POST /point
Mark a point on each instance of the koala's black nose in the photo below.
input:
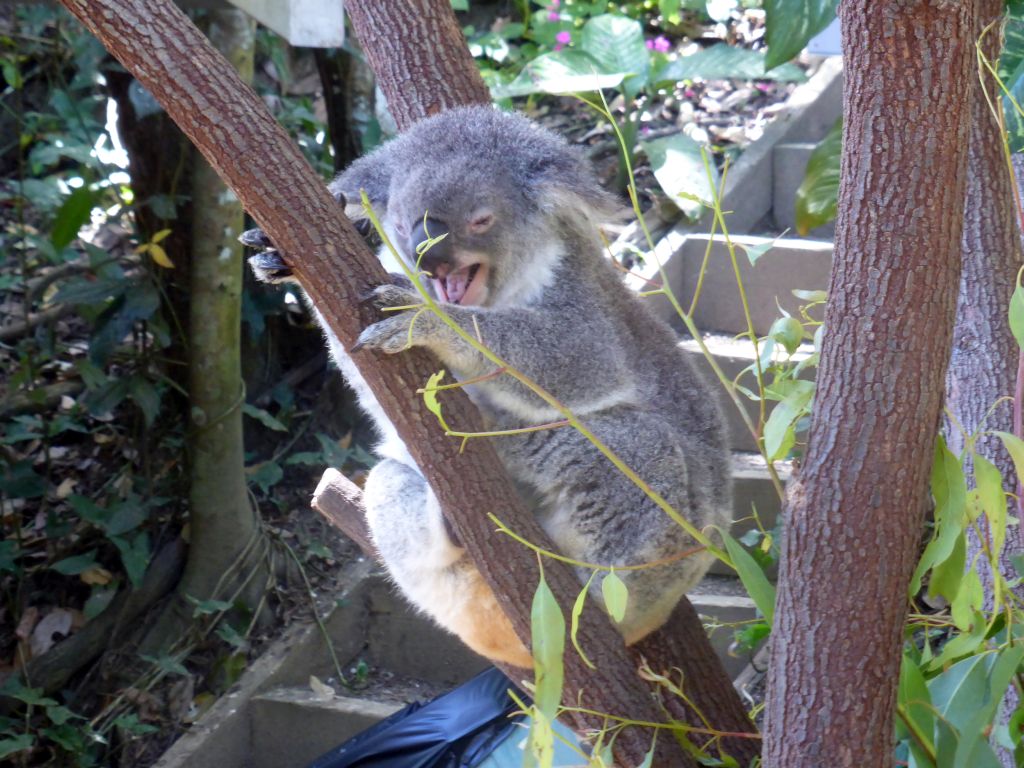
(440, 252)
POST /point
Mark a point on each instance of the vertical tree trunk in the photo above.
(983, 367)
(421, 60)
(855, 513)
(222, 522)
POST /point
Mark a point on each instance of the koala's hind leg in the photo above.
(407, 527)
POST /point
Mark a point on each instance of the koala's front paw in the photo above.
(395, 332)
(267, 265)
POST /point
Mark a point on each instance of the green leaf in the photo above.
(617, 44)
(914, 700)
(679, 167)
(100, 597)
(145, 396)
(818, 194)
(21, 481)
(577, 611)
(989, 482)
(203, 607)
(430, 397)
(169, 664)
(72, 566)
(460, 5)
(548, 636)
(754, 581)
(32, 696)
(264, 418)
(789, 332)
(949, 488)
(14, 744)
(755, 252)
(1015, 447)
(565, 71)
(782, 420)
(1017, 314)
(266, 475)
(725, 62)
(790, 24)
(968, 601)
(134, 556)
(71, 217)
(615, 596)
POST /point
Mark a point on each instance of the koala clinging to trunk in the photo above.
(521, 265)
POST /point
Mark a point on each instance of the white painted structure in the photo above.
(304, 23)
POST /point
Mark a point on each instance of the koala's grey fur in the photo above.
(518, 200)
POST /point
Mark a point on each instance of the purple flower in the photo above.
(554, 16)
(660, 44)
(562, 39)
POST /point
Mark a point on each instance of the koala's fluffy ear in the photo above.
(371, 173)
(569, 190)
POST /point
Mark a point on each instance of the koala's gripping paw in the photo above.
(395, 332)
(267, 265)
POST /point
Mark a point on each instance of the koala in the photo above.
(521, 267)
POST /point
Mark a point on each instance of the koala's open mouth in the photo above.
(467, 285)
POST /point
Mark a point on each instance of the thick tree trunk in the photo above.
(854, 515)
(221, 519)
(240, 139)
(983, 367)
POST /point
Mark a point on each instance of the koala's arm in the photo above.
(569, 351)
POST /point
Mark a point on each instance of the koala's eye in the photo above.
(481, 222)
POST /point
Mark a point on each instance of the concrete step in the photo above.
(789, 166)
(734, 356)
(790, 264)
(294, 726)
(291, 726)
(276, 717)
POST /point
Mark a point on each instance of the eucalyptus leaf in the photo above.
(790, 24)
(615, 596)
(1017, 314)
(263, 417)
(782, 420)
(751, 574)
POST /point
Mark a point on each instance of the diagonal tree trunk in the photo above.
(855, 514)
(241, 141)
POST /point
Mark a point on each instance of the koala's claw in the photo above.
(269, 267)
(390, 335)
(255, 238)
(392, 295)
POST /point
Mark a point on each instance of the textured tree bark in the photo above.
(854, 515)
(983, 368)
(243, 143)
(417, 51)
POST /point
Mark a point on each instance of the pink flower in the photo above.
(554, 16)
(562, 39)
(660, 44)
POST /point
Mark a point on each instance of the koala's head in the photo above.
(508, 196)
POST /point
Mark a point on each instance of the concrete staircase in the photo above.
(277, 718)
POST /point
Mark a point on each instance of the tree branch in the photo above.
(156, 42)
